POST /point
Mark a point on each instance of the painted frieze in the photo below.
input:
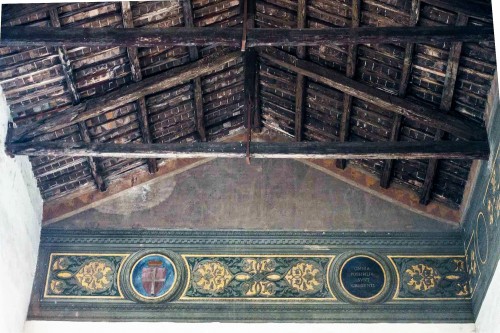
(257, 276)
(83, 275)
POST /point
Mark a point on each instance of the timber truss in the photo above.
(256, 45)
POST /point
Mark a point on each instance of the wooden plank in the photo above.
(445, 106)
(468, 8)
(75, 97)
(385, 178)
(127, 94)
(65, 62)
(300, 83)
(420, 113)
(29, 9)
(135, 69)
(181, 36)
(299, 150)
(352, 55)
(194, 55)
(146, 132)
(94, 171)
(128, 23)
(250, 69)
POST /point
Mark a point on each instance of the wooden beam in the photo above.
(75, 97)
(445, 106)
(128, 23)
(300, 86)
(99, 181)
(352, 55)
(125, 95)
(422, 114)
(469, 8)
(385, 178)
(250, 69)
(23, 36)
(187, 7)
(65, 62)
(299, 150)
(135, 69)
(146, 132)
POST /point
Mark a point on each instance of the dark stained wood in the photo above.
(128, 94)
(309, 150)
(445, 106)
(352, 55)
(75, 97)
(250, 68)
(385, 178)
(146, 132)
(128, 23)
(177, 36)
(65, 62)
(135, 69)
(422, 114)
(99, 181)
(468, 8)
(300, 91)
(26, 10)
(187, 8)
(452, 69)
(367, 35)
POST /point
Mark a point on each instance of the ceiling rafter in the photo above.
(75, 97)
(187, 7)
(300, 86)
(422, 114)
(136, 72)
(250, 68)
(445, 106)
(385, 178)
(352, 55)
(102, 104)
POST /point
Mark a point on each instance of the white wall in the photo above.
(85, 327)
(20, 219)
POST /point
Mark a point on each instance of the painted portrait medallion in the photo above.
(153, 276)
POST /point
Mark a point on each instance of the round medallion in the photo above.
(153, 276)
(362, 277)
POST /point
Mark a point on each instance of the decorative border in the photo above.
(398, 278)
(218, 299)
(255, 244)
(118, 282)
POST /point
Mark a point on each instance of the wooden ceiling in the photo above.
(397, 87)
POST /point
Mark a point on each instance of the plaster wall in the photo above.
(83, 327)
(20, 221)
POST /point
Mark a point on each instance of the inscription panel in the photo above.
(362, 277)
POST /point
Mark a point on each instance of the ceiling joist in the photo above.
(298, 150)
(195, 36)
(100, 105)
(422, 114)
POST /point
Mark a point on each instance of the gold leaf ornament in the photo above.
(95, 276)
(211, 277)
(305, 277)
